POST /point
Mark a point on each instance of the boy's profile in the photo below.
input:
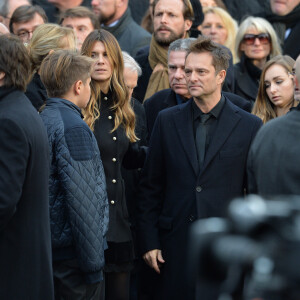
(77, 189)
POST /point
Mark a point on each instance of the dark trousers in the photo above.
(69, 283)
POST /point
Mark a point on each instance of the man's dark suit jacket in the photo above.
(274, 155)
(175, 192)
(167, 98)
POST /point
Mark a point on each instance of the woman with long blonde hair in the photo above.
(111, 117)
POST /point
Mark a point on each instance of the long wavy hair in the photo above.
(124, 114)
(263, 107)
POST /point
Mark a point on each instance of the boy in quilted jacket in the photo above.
(77, 189)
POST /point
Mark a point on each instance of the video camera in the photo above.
(254, 254)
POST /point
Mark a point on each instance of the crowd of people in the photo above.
(116, 137)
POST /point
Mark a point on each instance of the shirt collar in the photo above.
(215, 111)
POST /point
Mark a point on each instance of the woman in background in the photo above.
(256, 43)
(276, 89)
(46, 38)
(220, 27)
(110, 115)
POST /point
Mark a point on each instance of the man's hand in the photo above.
(154, 259)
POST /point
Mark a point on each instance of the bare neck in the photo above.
(208, 102)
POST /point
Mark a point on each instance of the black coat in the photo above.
(36, 92)
(246, 80)
(25, 241)
(167, 98)
(174, 192)
(274, 156)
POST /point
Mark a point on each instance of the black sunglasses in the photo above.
(249, 39)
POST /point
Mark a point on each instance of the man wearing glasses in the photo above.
(25, 20)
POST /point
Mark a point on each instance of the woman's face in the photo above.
(102, 70)
(257, 49)
(279, 86)
(214, 28)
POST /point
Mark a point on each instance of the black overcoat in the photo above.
(25, 242)
(175, 192)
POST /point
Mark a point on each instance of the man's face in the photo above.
(201, 76)
(85, 94)
(168, 22)
(106, 9)
(283, 7)
(82, 27)
(130, 78)
(176, 73)
(24, 30)
(297, 79)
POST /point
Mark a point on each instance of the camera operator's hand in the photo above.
(154, 259)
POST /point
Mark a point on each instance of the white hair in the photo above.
(130, 63)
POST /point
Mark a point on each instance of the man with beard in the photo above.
(116, 18)
(172, 19)
(273, 156)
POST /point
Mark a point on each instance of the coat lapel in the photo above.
(229, 119)
(184, 126)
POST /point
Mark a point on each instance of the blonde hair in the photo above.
(49, 37)
(263, 107)
(124, 114)
(229, 23)
(261, 25)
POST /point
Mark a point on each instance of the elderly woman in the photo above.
(220, 27)
(45, 39)
(276, 89)
(256, 43)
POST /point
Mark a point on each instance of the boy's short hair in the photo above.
(61, 69)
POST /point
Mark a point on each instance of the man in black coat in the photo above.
(193, 169)
(272, 162)
(178, 93)
(25, 242)
(285, 18)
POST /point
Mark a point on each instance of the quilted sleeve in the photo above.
(84, 190)
(14, 153)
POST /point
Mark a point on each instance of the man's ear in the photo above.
(187, 25)
(221, 76)
(2, 75)
(77, 87)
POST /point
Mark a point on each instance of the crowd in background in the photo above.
(96, 196)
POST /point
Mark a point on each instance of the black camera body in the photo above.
(253, 254)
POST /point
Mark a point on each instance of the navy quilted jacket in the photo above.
(77, 189)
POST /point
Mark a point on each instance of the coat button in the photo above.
(199, 189)
(114, 138)
(112, 202)
(114, 159)
(192, 218)
(109, 117)
(114, 181)
(105, 98)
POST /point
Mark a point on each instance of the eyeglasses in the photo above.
(24, 34)
(249, 39)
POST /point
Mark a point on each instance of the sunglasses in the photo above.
(249, 39)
